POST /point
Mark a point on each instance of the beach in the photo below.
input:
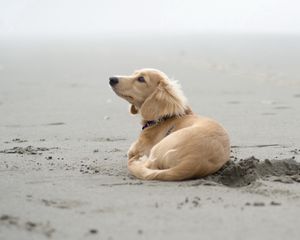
(64, 136)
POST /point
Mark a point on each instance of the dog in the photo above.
(175, 144)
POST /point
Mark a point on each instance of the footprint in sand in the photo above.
(233, 102)
(281, 107)
(30, 226)
(62, 204)
(297, 95)
(55, 124)
(109, 139)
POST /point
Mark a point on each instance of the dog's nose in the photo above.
(113, 81)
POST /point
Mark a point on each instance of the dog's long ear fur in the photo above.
(133, 109)
(166, 100)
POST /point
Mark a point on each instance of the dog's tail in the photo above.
(176, 173)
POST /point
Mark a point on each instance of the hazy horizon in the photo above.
(35, 19)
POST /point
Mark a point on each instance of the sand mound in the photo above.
(246, 171)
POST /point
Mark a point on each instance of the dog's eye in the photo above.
(141, 79)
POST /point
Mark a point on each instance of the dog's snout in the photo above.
(113, 81)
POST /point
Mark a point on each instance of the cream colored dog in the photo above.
(175, 144)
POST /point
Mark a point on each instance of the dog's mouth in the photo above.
(124, 96)
(127, 97)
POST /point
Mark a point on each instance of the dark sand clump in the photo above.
(25, 150)
(246, 171)
(30, 226)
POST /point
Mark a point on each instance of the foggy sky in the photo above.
(50, 18)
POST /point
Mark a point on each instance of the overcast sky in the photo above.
(54, 18)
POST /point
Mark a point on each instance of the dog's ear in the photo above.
(166, 100)
(133, 109)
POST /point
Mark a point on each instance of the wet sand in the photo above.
(64, 137)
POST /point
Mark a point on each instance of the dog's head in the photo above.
(150, 93)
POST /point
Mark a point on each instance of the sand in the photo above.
(64, 137)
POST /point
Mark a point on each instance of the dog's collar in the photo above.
(155, 122)
(150, 123)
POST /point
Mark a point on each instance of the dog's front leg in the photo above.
(134, 156)
(137, 151)
(133, 150)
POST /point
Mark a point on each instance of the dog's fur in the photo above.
(182, 145)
